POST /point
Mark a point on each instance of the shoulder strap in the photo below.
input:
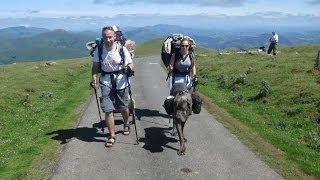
(191, 56)
(121, 52)
(100, 46)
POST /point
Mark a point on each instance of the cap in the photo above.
(115, 28)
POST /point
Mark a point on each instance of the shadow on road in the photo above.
(155, 139)
(149, 113)
(86, 134)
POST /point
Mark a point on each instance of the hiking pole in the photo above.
(95, 92)
(168, 75)
(130, 73)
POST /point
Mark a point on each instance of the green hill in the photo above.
(276, 97)
(270, 103)
(153, 48)
(274, 101)
(52, 45)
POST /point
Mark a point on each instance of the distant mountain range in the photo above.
(268, 21)
(20, 44)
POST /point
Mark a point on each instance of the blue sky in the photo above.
(59, 8)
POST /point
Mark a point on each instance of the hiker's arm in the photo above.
(128, 58)
(95, 70)
(170, 66)
(194, 69)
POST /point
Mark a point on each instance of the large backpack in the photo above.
(172, 45)
(196, 103)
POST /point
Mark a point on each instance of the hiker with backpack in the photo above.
(115, 64)
(181, 64)
(178, 56)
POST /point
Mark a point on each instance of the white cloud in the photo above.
(221, 3)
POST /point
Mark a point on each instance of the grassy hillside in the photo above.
(36, 100)
(276, 97)
(148, 48)
(274, 103)
(52, 45)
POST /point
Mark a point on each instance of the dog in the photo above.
(182, 108)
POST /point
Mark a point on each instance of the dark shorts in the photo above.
(111, 100)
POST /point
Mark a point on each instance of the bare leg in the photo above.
(110, 123)
(125, 116)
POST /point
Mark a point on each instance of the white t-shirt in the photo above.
(274, 38)
(111, 62)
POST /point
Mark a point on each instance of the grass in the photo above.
(281, 125)
(287, 117)
(148, 48)
(37, 99)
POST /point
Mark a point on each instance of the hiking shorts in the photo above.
(113, 99)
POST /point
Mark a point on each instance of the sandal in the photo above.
(126, 132)
(110, 142)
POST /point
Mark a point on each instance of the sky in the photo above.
(109, 8)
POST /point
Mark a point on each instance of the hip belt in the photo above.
(113, 72)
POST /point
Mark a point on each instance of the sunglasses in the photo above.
(184, 45)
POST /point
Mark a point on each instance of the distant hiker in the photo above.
(273, 43)
(114, 62)
(181, 64)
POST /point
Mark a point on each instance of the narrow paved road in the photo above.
(212, 151)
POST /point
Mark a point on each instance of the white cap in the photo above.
(115, 28)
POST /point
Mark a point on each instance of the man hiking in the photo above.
(114, 62)
(273, 43)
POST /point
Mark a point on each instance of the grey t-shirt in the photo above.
(183, 65)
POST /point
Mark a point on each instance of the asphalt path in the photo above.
(212, 151)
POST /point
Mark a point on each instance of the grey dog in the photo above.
(182, 108)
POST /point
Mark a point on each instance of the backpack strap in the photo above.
(121, 52)
(191, 56)
(100, 46)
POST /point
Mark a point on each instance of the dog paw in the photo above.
(180, 153)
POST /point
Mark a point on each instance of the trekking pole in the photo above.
(131, 73)
(168, 75)
(95, 92)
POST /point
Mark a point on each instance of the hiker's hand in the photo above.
(194, 81)
(129, 71)
(93, 83)
(170, 68)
